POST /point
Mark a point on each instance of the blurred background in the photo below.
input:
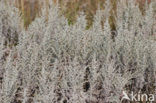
(70, 9)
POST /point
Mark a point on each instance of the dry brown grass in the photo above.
(70, 8)
(29, 9)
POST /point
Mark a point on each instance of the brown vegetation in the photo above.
(29, 9)
(70, 8)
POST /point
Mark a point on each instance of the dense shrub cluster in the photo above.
(53, 62)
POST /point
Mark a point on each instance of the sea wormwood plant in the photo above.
(54, 62)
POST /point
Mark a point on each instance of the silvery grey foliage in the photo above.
(9, 31)
(53, 62)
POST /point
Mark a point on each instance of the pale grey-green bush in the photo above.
(53, 62)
